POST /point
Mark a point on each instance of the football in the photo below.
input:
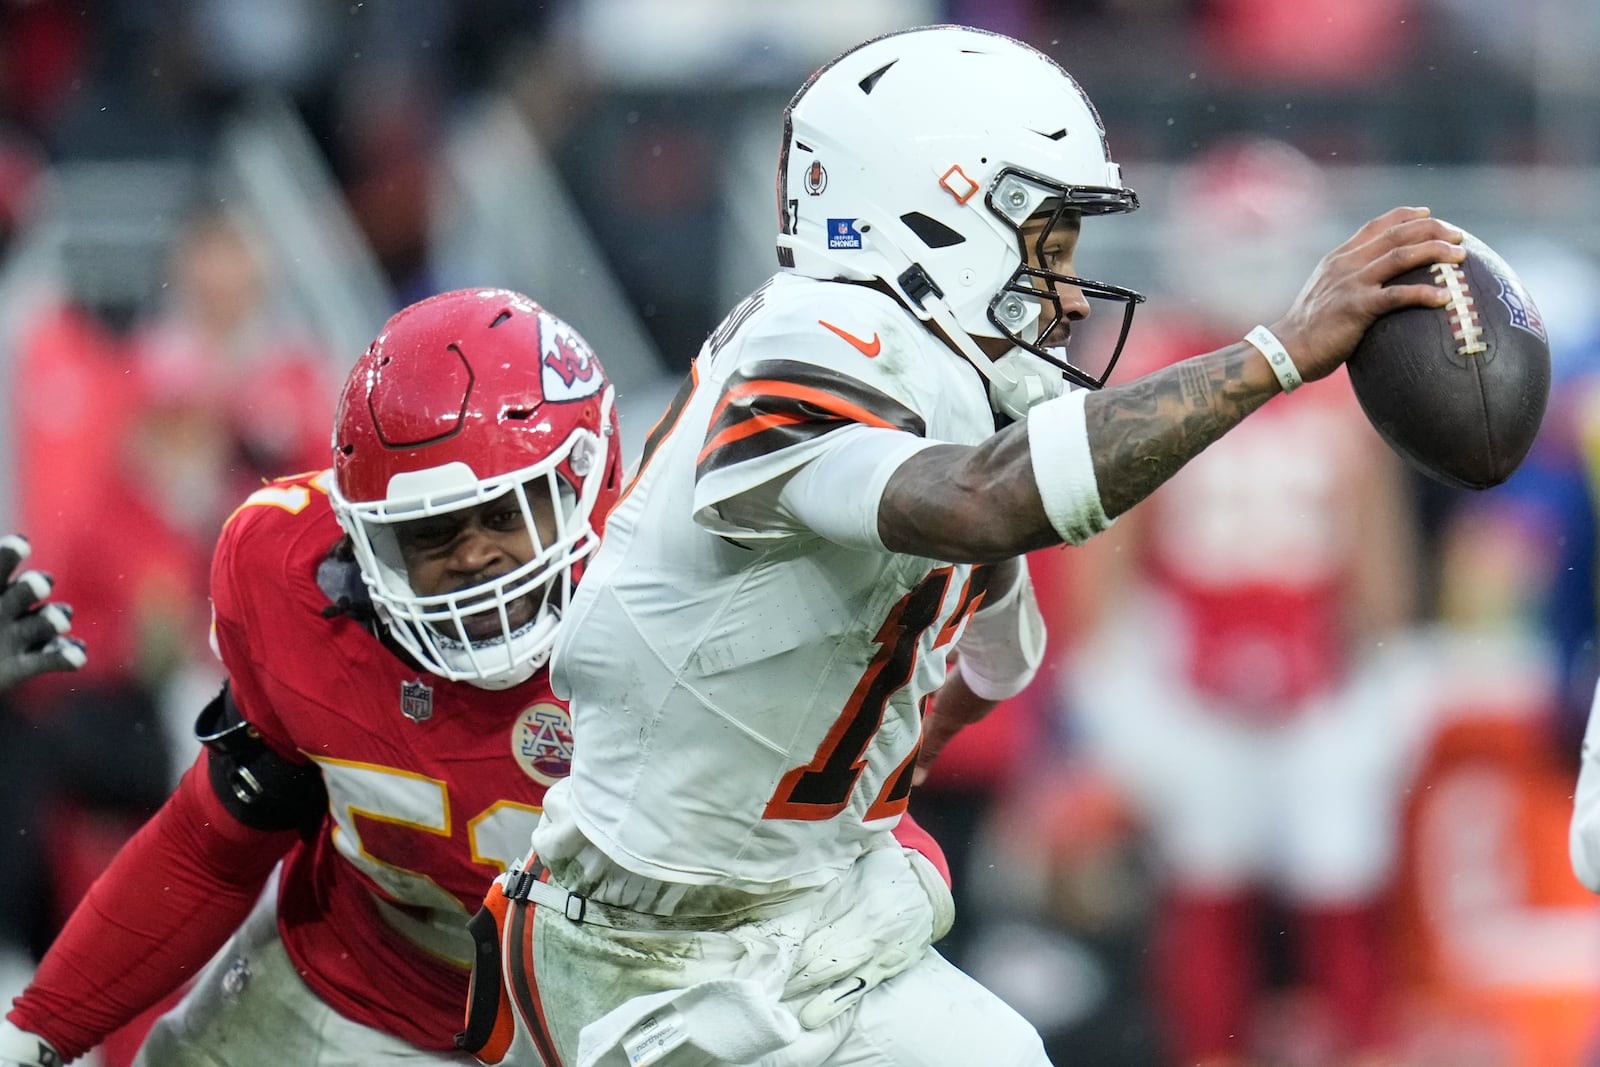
(1458, 390)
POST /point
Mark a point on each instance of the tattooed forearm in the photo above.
(981, 504)
(1142, 432)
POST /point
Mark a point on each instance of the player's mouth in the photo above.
(483, 622)
(1057, 338)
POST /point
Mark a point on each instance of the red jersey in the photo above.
(433, 786)
(1252, 547)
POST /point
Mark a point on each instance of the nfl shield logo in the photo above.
(1524, 316)
(842, 233)
(416, 701)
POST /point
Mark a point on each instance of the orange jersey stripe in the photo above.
(841, 409)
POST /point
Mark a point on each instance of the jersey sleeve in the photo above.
(1003, 644)
(793, 382)
(169, 900)
(252, 591)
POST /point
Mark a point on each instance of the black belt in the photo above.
(527, 886)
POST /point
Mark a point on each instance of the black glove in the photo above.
(33, 635)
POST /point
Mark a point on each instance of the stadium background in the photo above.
(614, 159)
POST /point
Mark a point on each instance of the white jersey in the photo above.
(745, 694)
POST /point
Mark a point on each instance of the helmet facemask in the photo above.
(1027, 309)
(494, 633)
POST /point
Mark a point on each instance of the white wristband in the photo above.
(1277, 358)
(1058, 445)
(19, 1047)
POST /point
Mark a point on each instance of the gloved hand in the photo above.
(877, 935)
(33, 636)
(18, 1048)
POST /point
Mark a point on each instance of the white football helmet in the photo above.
(465, 398)
(915, 158)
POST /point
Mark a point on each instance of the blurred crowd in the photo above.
(1293, 788)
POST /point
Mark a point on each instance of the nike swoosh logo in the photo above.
(861, 983)
(866, 348)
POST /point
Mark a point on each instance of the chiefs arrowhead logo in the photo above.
(570, 369)
(568, 362)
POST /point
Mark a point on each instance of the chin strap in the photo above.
(1023, 380)
(1017, 380)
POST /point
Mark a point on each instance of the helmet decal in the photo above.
(816, 178)
(842, 233)
(571, 371)
(957, 184)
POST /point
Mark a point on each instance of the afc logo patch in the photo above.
(842, 233)
(541, 741)
(416, 701)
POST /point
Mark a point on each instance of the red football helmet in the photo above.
(463, 398)
(1250, 216)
